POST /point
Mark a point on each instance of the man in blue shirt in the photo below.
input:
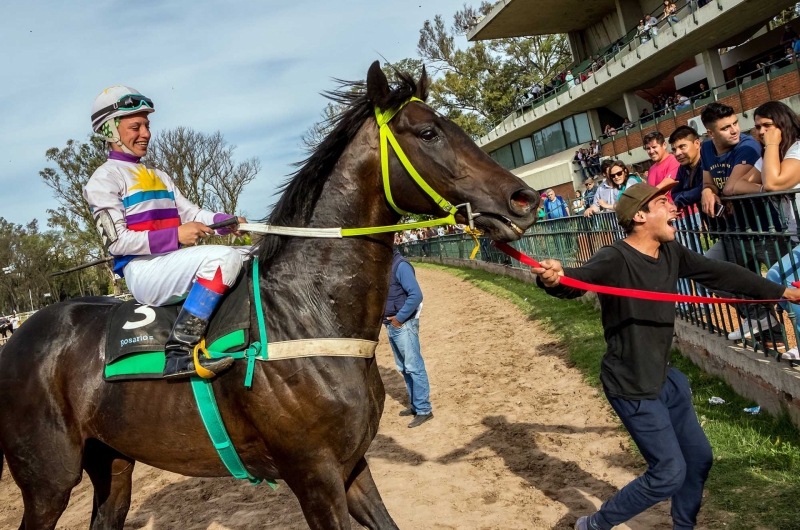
(686, 147)
(555, 206)
(401, 319)
(726, 158)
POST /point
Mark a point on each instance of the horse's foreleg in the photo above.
(111, 477)
(320, 490)
(364, 501)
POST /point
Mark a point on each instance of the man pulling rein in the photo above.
(652, 399)
(150, 228)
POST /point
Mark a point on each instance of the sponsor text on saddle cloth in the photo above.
(137, 333)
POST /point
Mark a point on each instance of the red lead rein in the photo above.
(630, 293)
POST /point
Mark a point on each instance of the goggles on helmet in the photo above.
(127, 102)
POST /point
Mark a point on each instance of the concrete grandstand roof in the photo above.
(520, 18)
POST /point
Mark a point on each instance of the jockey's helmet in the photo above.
(112, 104)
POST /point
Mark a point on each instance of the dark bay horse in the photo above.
(308, 421)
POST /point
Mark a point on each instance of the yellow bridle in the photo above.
(387, 138)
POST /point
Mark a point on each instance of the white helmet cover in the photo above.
(113, 103)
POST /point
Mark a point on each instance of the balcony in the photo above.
(635, 63)
(743, 94)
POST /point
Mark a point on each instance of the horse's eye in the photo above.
(428, 135)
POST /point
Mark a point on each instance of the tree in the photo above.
(77, 162)
(202, 167)
(480, 85)
(477, 86)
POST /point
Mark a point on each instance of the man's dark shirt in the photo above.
(687, 193)
(638, 333)
(588, 196)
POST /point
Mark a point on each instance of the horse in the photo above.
(308, 421)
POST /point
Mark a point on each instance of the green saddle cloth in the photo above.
(150, 365)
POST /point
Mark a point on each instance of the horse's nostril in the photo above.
(523, 201)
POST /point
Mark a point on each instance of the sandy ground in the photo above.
(518, 440)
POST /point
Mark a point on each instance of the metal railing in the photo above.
(758, 232)
(742, 93)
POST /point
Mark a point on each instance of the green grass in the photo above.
(755, 481)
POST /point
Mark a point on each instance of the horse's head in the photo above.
(452, 165)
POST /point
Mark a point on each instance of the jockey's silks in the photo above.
(145, 206)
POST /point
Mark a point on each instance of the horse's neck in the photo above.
(319, 288)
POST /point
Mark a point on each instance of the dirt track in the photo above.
(518, 440)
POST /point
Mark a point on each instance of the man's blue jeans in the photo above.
(405, 346)
(677, 452)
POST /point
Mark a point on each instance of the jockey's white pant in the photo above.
(167, 278)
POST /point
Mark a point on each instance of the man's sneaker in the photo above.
(744, 331)
(791, 355)
(407, 412)
(419, 419)
(582, 523)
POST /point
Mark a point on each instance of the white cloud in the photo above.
(252, 70)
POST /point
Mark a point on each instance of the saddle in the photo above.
(137, 333)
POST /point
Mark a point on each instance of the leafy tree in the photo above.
(479, 85)
(476, 86)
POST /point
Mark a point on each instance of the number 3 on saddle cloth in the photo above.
(137, 334)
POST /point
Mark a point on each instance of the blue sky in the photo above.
(252, 70)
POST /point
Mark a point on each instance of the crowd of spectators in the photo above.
(588, 160)
(648, 27)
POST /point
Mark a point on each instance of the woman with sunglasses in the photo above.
(777, 127)
(144, 220)
(605, 198)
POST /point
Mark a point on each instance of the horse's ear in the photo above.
(377, 85)
(422, 85)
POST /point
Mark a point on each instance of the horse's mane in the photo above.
(301, 191)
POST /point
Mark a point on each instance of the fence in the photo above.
(758, 232)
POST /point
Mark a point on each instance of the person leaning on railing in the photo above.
(606, 196)
(778, 129)
(727, 159)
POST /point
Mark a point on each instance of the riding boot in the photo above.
(189, 328)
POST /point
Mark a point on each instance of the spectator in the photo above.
(401, 319)
(555, 207)
(652, 22)
(686, 146)
(588, 195)
(778, 129)
(621, 175)
(702, 92)
(664, 170)
(789, 36)
(644, 115)
(681, 101)
(609, 131)
(577, 203)
(643, 32)
(440, 231)
(606, 196)
(670, 12)
(568, 78)
(582, 160)
(627, 124)
(727, 158)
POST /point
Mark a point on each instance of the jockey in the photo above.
(150, 228)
